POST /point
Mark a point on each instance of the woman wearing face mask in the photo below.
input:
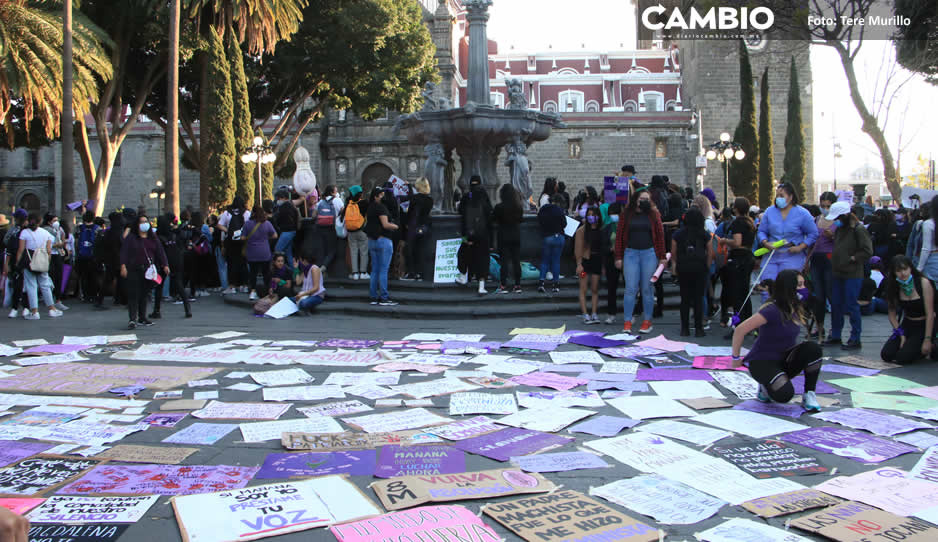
(821, 272)
(139, 251)
(57, 257)
(590, 245)
(739, 261)
(640, 245)
(909, 290)
(852, 249)
(610, 214)
(691, 255)
(776, 356)
(32, 239)
(789, 221)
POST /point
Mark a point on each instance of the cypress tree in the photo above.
(220, 149)
(267, 172)
(243, 124)
(794, 137)
(766, 160)
(743, 173)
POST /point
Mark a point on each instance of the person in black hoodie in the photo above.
(476, 212)
(107, 251)
(552, 221)
(508, 215)
(173, 246)
(418, 230)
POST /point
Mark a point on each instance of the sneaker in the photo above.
(132, 325)
(501, 290)
(587, 319)
(852, 345)
(229, 291)
(462, 279)
(190, 299)
(145, 322)
(155, 315)
(594, 319)
(516, 289)
(832, 341)
(13, 313)
(32, 315)
(203, 293)
(482, 290)
(55, 313)
(809, 402)
(25, 312)
(366, 276)
(177, 301)
(253, 296)
(627, 327)
(387, 303)
(706, 325)
(244, 289)
(353, 276)
(408, 277)
(646, 327)
(611, 319)
(556, 288)
(763, 394)
(61, 306)
(374, 302)
(540, 288)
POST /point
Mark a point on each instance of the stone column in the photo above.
(478, 16)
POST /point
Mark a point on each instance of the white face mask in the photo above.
(55, 224)
(145, 227)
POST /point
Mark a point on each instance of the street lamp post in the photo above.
(725, 150)
(159, 194)
(260, 154)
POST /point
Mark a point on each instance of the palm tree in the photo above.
(259, 24)
(31, 67)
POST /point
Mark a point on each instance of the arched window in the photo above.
(592, 106)
(630, 106)
(568, 71)
(550, 106)
(654, 100)
(571, 101)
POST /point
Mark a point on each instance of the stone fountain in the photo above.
(478, 131)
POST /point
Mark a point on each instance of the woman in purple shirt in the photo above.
(822, 276)
(257, 232)
(789, 221)
(776, 356)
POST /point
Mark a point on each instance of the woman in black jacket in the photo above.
(476, 212)
(508, 215)
(173, 246)
(418, 230)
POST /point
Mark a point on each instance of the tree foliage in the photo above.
(259, 24)
(220, 153)
(243, 124)
(743, 173)
(766, 159)
(917, 43)
(794, 136)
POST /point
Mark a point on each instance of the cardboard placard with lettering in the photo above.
(789, 503)
(857, 522)
(409, 491)
(770, 458)
(59, 532)
(133, 453)
(336, 442)
(39, 475)
(567, 515)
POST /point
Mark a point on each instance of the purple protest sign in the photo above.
(822, 387)
(790, 410)
(165, 419)
(12, 451)
(672, 374)
(502, 445)
(354, 463)
(848, 370)
(595, 341)
(348, 343)
(886, 425)
(419, 460)
(159, 479)
(604, 426)
(850, 444)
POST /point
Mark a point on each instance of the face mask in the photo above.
(803, 293)
(592, 219)
(838, 223)
(906, 281)
(614, 218)
(900, 222)
(304, 268)
(145, 227)
(55, 224)
(781, 203)
(644, 205)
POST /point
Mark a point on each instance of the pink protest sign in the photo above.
(411, 524)
(719, 363)
(160, 479)
(20, 505)
(549, 380)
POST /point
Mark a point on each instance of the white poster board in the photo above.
(444, 268)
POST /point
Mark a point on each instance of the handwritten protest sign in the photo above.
(579, 356)
(858, 522)
(546, 399)
(82, 510)
(94, 378)
(335, 409)
(433, 388)
(396, 421)
(740, 383)
(721, 363)
(359, 379)
(507, 443)
(159, 479)
(737, 529)
(271, 510)
(444, 268)
(927, 466)
(877, 423)
(284, 377)
(410, 491)
(567, 515)
(886, 488)
(463, 429)
(261, 431)
(217, 410)
(559, 462)
(303, 393)
(184, 404)
(333, 442)
(38, 475)
(12, 451)
(695, 434)
(846, 443)
(548, 419)
(665, 500)
(789, 503)
(747, 423)
(482, 403)
(604, 426)
(422, 523)
(305, 465)
(76, 533)
(133, 453)
(770, 458)
(165, 419)
(201, 433)
(548, 380)
(419, 460)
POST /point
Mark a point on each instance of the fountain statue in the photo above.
(477, 131)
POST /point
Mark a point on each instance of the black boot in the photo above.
(155, 315)
(187, 306)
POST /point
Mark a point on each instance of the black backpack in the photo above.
(692, 254)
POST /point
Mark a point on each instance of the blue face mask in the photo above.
(145, 227)
(838, 223)
(906, 281)
(781, 202)
(592, 219)
(803, 293)
(614, 218)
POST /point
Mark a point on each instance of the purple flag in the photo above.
(419, 460)
(850, 444)
(354, 463)
(502, 445)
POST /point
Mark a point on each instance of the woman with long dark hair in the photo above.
(739, 261)
(928, 259)
(590, 249)
(508, 214)
(639, 251)
(776, 356)
(907, 289)
(173, 247)
(822, 277)
(257, 233)
(139, 251)
(550, 188)
(476, 212)
(852, 249)
(691, 255)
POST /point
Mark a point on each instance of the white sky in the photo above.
(564, 25)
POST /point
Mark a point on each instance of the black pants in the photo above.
(612, 285)
(776, 375)
(56, 265)
(911, 351)
(417, 251)
(327, 244)
(737, 273)
(478, 253)
(87, 277)
(693, 286)
(137, 287)
(176, 284)
(510, 253)
(262, 268)
(237, 268)
(113, 277)
(17, 292)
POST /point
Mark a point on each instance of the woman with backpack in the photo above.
(231, 223)
(691, 256)
(852, 249)
(57, 257)
(173, 246)
(912, 292)
(639, 251)
(327, 209)
(418, 237)
(476, 213)
(258, 232)
(590, 247)
(354, 217)
(507, 215)
(36, 244)
(199, 261)
(737, 273)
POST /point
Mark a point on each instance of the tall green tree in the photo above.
(794, 136)
(743, 173)
(219, 147)
(243, 123)
(766, 159)
(917, 42)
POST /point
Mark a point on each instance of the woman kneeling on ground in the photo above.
(911, 291)
(776, 356)
(313, 289)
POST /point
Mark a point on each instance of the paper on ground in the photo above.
(640, 408)
(261, 431)
(665, 500)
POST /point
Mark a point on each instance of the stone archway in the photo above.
(30, 202)
(375, 175)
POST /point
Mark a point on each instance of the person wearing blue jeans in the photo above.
(639, 251)
(313, 290)
(552, 220)
(379, 228)
(287, 220)
(852, 249)
(638, 267)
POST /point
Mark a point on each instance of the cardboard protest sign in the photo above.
(132, 453)
(665, 500)
(616, 189)
(261, 431)
(410, 491)
(353, 406)
(335, 442)
(354, 462)
(95, 378)
(559, 462)
(422, 523)
(419, 460)
(567, 515)
(705, 403)
(396, 421)
(858, 522)
(38, 475)
(789, 503)
(83, 510)
(217, 410)
(271, 510)
(183, 404)
(76, 533)
(444, 267)
(159, 480)
(507, 443)
(769, 458)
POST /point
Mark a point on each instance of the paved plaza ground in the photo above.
(212, 315)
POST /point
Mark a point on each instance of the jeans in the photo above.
(14, 296)
(931, 267)
(44, 285)
(877, 305)
(822, 277)
(308, 302)
(285, 245)
(358, 247)
(380, 250)
(844, 300)
(222, 268)
(781, 260)
(638, 267)
(550, 255)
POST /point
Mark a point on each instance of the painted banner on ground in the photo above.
(507, 443)
(133, 453)
(83, 510)
(665, 500)
(38, 475)
(353, 462)
(396, 461)
(159, 479)
(850, 444)
(217, 410)
(410, 491)
(789, 503)
(334, 442)
(927, 466)
(770, 458)
(95, 378)
(12, 451)
(422, 523)
(858, 522)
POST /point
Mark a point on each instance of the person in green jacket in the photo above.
(852, 249)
